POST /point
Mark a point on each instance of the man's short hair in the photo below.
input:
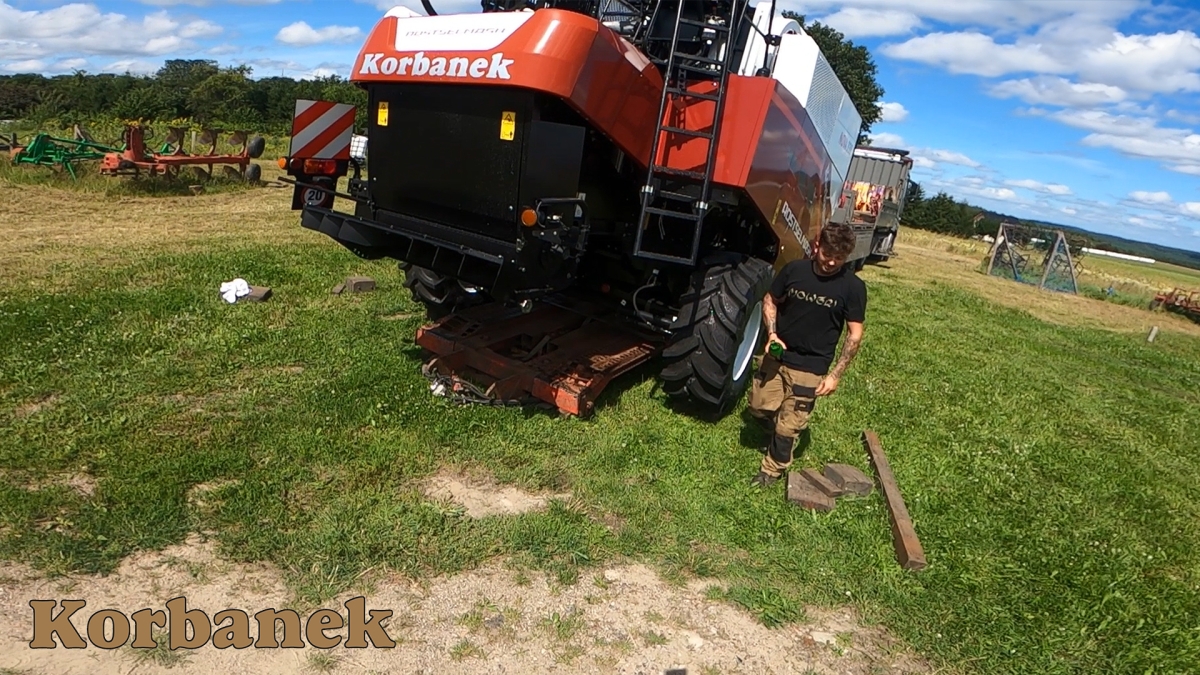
(838, 240)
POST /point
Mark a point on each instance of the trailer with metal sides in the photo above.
(574, 188)
(872, 200)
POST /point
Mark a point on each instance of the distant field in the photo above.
(1135, 283)
(1046, 451)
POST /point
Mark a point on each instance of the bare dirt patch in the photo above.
(491, 620)
(482, 497)
(81, 483)
(31, 408)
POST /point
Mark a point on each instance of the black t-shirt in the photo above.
(811, 311)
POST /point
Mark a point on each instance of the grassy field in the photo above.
(1135, 283)
(1045, 449)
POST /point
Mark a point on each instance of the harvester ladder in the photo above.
(664, 206)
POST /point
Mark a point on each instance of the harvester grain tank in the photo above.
(647, 165)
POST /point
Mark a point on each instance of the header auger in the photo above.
(649, 162)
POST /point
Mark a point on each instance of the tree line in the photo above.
(197, 91)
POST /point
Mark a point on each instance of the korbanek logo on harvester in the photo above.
(418, 65)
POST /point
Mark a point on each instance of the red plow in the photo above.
(136, 159)
(1179, 301)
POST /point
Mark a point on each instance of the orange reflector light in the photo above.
(283, 162)
(320, 166)
(529, 218)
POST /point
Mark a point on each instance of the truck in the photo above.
(573, 188)
(872, 201)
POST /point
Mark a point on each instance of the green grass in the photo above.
(1160, 274)
(1051, 471)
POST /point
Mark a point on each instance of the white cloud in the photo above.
(893, 112)
(300, 34)
(297, 70)
(1097, 54)
(82, 29)
(1058, 91)
(975, 54)
(1190, 208)
(885, 139)
(135, 66)
(206, 3)
(858, 22)
(1068, 210)
(1038, 186)
(27, 66)
(1143, 197)
(950, 157)
(1179, 149)
(995, 13)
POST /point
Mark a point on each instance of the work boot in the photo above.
(763, 479)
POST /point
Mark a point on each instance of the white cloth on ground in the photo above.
(232, 290)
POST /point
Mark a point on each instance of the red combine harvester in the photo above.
(576, 189)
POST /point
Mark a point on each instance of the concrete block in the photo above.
(337, 290)
(849, 479)
(360, 284)
(802, 493)
(822, 483)
(257, 294)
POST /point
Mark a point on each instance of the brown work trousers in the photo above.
(783, 398)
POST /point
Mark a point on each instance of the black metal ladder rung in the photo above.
(696, 69)
(701, 24)
(678, 196)
(682, 215)
(684, 92)
(687, 132)
(697, 175)
(701, 59)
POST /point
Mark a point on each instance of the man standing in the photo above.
(809, 304)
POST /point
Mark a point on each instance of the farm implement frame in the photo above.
(132, 156)
(1179, 301)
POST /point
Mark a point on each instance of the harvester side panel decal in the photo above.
(322, 130)
(790, 176)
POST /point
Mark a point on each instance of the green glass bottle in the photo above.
(776, 349)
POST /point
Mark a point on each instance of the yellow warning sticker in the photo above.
(508, 125)
(383, 113)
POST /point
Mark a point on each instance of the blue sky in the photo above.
(1083, 112)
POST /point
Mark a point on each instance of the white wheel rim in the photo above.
(749, 341)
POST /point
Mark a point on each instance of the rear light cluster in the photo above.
(310, 167)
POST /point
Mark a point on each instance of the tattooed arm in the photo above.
(849, 351)
(769, 319)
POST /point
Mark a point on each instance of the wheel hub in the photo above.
(749, 340)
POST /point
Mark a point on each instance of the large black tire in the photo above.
(717, 334)
(441, 295)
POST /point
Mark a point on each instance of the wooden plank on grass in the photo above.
(904, 537)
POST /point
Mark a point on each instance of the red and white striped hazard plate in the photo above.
(322, 130)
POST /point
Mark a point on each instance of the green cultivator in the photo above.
(46, 150)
